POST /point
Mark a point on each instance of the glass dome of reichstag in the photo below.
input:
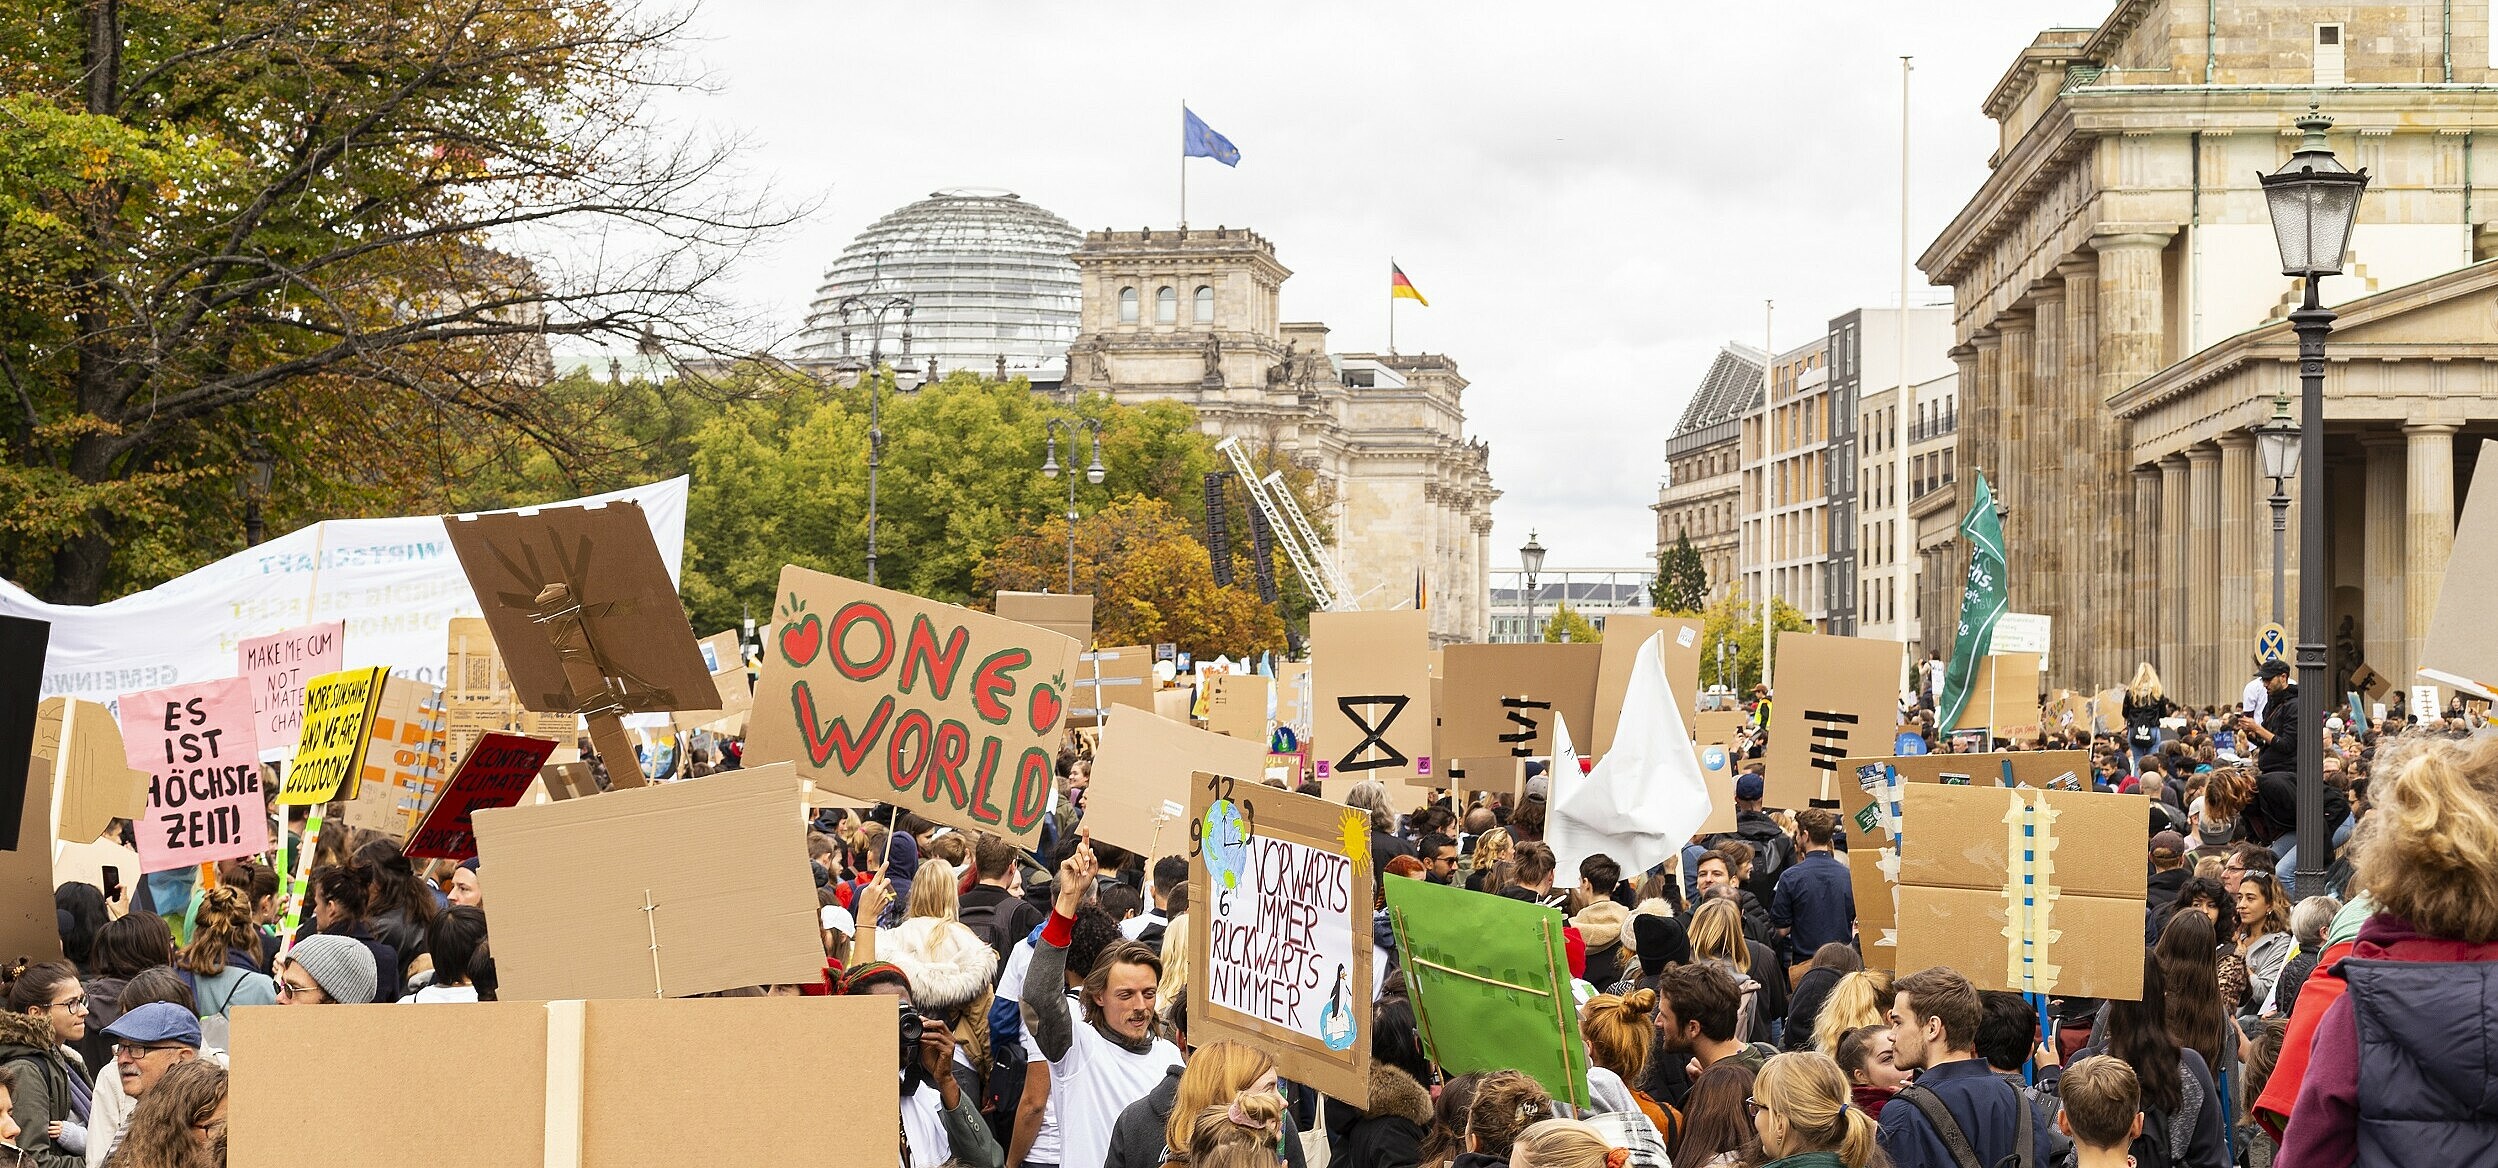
(989, 275)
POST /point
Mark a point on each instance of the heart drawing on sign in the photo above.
(1046, 707)
(801, 639)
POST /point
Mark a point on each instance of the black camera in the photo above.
(911, 1027)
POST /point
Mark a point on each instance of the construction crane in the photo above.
(1292, 529)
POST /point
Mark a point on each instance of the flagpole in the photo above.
(1183, 167)
(1392, 306)
(1769, 594)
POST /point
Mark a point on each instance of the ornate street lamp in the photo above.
(874, 308)
(2314, 203)
(1531, 558)
(2277, 447)
(1093, 474)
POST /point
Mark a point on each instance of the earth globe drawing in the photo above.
(1226, 844)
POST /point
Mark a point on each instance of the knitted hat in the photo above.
(341, 966)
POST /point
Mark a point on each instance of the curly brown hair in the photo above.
(187, 1096)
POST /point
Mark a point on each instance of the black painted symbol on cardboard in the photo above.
(1829, 737)
(1521, 741)
(1374, 734)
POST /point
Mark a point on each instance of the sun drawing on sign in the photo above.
(1353, 831)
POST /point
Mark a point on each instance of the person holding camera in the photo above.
(1113, 1056)
(941, 1124)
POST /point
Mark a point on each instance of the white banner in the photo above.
(393, 581)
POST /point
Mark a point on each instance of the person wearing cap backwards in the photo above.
(2168, 877)
(2277, 733)
(941, 1123)
(326, 969)
(147, 1042)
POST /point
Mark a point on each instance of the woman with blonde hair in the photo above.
(1244, 1131)
(2423, 971)
(1717, 935)
(1861, 999)
(2145, 705)
(1565, 1143)
(1804, 1119)
(950, 968)
(1162, 1125)
(1174, 986)
(1491, 862)
(933, 893)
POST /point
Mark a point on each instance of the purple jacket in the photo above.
(2419, 1026)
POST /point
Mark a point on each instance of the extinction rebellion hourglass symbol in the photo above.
(1373, 751)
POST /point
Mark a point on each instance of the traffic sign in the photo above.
(2272, 643)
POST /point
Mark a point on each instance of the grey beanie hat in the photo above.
(341, 966)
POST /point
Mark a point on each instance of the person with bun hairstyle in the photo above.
(50, 1090)
(1804, 1119)
(1566, 1143)
(2400, 1069)
(1246, 1132)
(1506, 1104)
(340, 896)
(1621, 1034)
(223, 960)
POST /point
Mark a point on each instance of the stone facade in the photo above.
(1194, 316)
(1702, 495)
(1786, 485)
(2122, 231)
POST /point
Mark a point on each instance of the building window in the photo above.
(2329, 70)
(1166, 306)
(1205, 304)
(1127, 306)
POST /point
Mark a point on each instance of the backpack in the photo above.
(988, 922)
(1001, 1093)
(1772, 853)
(2024, 1145)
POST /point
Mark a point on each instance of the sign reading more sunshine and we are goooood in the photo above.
(885, 696)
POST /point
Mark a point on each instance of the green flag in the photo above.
(1981, 603)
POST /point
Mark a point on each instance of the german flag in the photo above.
(1400, 288)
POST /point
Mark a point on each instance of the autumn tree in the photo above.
(1567, 625)
(1736, 622)
(1149, 576)
(338, 230)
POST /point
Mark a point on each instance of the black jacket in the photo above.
(2281, 720)
(1804, 1006)
(999, 917)
(1391, 1133)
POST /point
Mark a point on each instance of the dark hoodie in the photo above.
(39, 1070)
(1391, 1132)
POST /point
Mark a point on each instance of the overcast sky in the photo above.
(1593, 196)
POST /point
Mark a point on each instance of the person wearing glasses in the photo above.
(47, 1010)
(148, 1041)
(326, 969)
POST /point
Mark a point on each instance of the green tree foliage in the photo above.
(311, 225)
(1566, 625)
(1737, 622)
(1682, 587)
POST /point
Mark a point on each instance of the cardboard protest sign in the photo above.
(1719, 767)
(703, 908)
(1292, 696)
(2461, 650)
(725, 658)
(1624, 634)
(888, 697)
(338, 722)
(204, 803)
(1174, 704)
(496, 774)
(568, 780)
(2046, 770)
(27, 922)
(477, 694)
(2003, 697)
(93, 783)
(1142, 772)
(1835, 696)
(1485, 774)
(1121, 676)
(1719, 727)
(1283, 884)
(571, 1080)
(278, 666)
(1068, 616)
(1489, 978)
(2024, 890)
(104, 863)
(1370, 683)
(1236, 705)
(1506, 699)
(22, 646)
(586, 616)
(404, 761)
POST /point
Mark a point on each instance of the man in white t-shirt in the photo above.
(1110, 1058)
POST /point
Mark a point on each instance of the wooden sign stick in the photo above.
(560, 616)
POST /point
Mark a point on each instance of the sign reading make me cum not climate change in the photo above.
(885, 696)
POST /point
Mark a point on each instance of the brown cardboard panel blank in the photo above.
(1236, 705)
(497, 1049)
(1068, 616)
(793, 1056)
(1141, 774)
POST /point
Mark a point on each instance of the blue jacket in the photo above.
(1986, 1107)
(1815, 903)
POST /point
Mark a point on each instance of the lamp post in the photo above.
(2277, 443)
(1092, 474)
(874, 308)
(2314, 203)
(1531, 558)
(263, 467)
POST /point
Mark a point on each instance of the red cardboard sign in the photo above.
(203, 799)
(278, 665)
(496, 773)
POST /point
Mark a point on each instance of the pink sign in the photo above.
(203, 801)
(278, 665)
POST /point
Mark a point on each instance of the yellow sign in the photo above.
(338, 721)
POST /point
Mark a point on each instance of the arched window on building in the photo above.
(1205, 304)
(1127, 306)
(1166, 306)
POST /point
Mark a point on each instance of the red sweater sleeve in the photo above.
(2324, 1123)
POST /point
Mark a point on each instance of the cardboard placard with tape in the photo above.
(1834, 696)
(2024, 890)
(1138, 799)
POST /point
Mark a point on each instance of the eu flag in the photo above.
(1198, 140)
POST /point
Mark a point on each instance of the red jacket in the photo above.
(2324, 987)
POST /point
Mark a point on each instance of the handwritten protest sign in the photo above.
(495, 774)
(1370, 676)
(404, 763)
(205, 803)
(1836, 695)
(338, 720)
(278, 666)
(885, 696)
(1285, 885)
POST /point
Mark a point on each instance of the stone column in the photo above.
(2018, 398)
(2130, 319)
(2384, 641)
(1981, 423)
(2048, 394)
(2175, 536)
(2429, 527)
(2077, 404)
(2203, 577)
(2241, 613)
(2149, 515)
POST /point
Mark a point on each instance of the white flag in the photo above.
(1645, 798)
